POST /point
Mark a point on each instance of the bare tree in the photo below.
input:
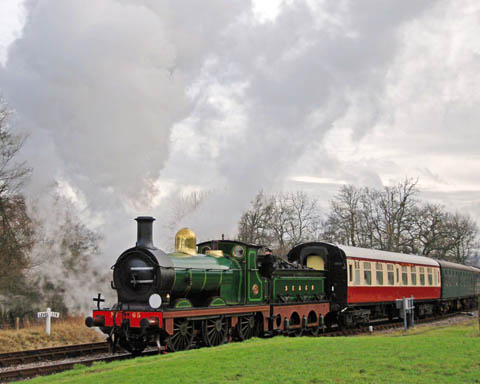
(304, 220)
(345, 218)
(182, 205)
(429, 236)
(393, 219)
(254, 225)
(392, 214)
(16, 230)
(64, 259)
(372, 218)
(12, 172)
(282, 220)
(463, 237)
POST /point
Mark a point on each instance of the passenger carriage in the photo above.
(365, 283)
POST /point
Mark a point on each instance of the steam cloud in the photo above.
(131, 103)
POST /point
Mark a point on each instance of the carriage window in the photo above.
(404, 276)
(357, 276)
(430, 276)
(367, 273)
(414, 276)
(379, 273)
(390, 275)
(422, 276)
(350, 272)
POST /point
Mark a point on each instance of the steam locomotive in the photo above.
(222, 290)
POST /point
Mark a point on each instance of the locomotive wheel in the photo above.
(182, 337)
(245, 328)
(297, 332)
(315, 331)
(214, 331)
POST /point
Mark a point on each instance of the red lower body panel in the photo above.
(134, 317)
(382, 294)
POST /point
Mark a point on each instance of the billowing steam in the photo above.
(132, 104)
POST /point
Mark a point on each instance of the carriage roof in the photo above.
(375, 254)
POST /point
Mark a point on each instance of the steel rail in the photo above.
(53, 353)
(384, 325)
(48, 369)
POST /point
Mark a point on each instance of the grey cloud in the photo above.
(202, 95)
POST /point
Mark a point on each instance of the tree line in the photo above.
(392, 218)
(30, 249)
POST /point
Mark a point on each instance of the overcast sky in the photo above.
(128, 103)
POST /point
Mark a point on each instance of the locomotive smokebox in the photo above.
(145, 231)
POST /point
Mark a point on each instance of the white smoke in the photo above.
(131, 103)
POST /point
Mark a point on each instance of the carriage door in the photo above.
(398, 280)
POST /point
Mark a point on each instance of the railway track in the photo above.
(53, 353)
(20, 365)
(384, 325)
(48, 369)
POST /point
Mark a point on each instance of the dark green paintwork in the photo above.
(204, 280)
(457, 283)
(207, 275)
(287, 288)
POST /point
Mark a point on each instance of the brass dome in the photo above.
(186, 242)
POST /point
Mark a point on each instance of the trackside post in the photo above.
(48, 317)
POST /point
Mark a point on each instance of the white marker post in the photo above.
(48, 315)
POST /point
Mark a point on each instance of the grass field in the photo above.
(64, 331)
(446, 355)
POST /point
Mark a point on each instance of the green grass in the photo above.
(446, 355)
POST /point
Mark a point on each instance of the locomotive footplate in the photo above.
(164, 319)
(136, 319)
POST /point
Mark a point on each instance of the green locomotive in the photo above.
(210, 294)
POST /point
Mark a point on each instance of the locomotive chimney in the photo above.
(145, 231)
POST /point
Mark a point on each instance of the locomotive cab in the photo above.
(253, 288)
